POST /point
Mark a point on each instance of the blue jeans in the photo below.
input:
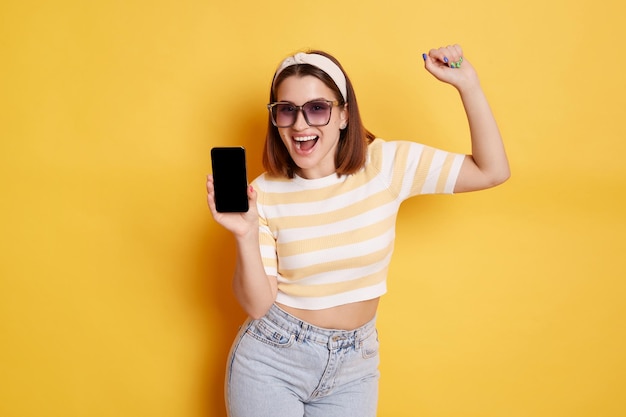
(280, 366)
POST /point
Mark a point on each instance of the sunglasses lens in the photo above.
(317, 112)
(284, 114)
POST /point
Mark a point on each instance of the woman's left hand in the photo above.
(448, 65)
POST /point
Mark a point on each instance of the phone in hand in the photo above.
(230, 179)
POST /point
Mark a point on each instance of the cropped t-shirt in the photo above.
(329, 241)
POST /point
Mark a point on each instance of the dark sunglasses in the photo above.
(316, 112)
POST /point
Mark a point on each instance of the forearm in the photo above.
(488, 151)
(255, 291)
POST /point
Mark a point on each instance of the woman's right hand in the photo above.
(240, 224)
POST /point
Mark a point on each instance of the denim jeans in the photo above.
(280, 366)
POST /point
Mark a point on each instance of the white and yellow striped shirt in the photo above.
(329, 240)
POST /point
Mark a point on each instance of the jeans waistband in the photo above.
(333, 338)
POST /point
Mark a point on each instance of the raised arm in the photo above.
(255, 291)
(487, 166)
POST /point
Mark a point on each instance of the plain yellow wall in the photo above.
(115, 292)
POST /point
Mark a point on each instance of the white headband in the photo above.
(321, 62)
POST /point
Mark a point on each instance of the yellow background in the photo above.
(115, 292)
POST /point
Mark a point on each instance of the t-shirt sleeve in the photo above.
(419, 169)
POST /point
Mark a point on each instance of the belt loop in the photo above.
(302, 333)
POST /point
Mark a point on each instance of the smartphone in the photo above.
(230, 179)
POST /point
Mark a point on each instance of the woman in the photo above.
(314, 248)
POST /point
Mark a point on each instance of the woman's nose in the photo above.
(300, 123)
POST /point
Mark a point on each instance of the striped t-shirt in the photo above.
(329, 240)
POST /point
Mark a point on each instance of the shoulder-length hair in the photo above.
(353, 140)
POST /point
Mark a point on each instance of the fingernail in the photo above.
(445, 59)
(424, 56)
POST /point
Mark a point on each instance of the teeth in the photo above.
(304, 138)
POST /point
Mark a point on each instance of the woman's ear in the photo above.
(343, 116)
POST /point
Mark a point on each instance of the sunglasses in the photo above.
(316, 112)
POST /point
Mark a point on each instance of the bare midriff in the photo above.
(344, 317)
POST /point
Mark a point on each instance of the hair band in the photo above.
(321, 62)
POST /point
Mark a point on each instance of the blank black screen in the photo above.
(230, 179)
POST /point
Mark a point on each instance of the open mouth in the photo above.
(305, 143)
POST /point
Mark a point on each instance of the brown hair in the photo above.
(353, 140)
